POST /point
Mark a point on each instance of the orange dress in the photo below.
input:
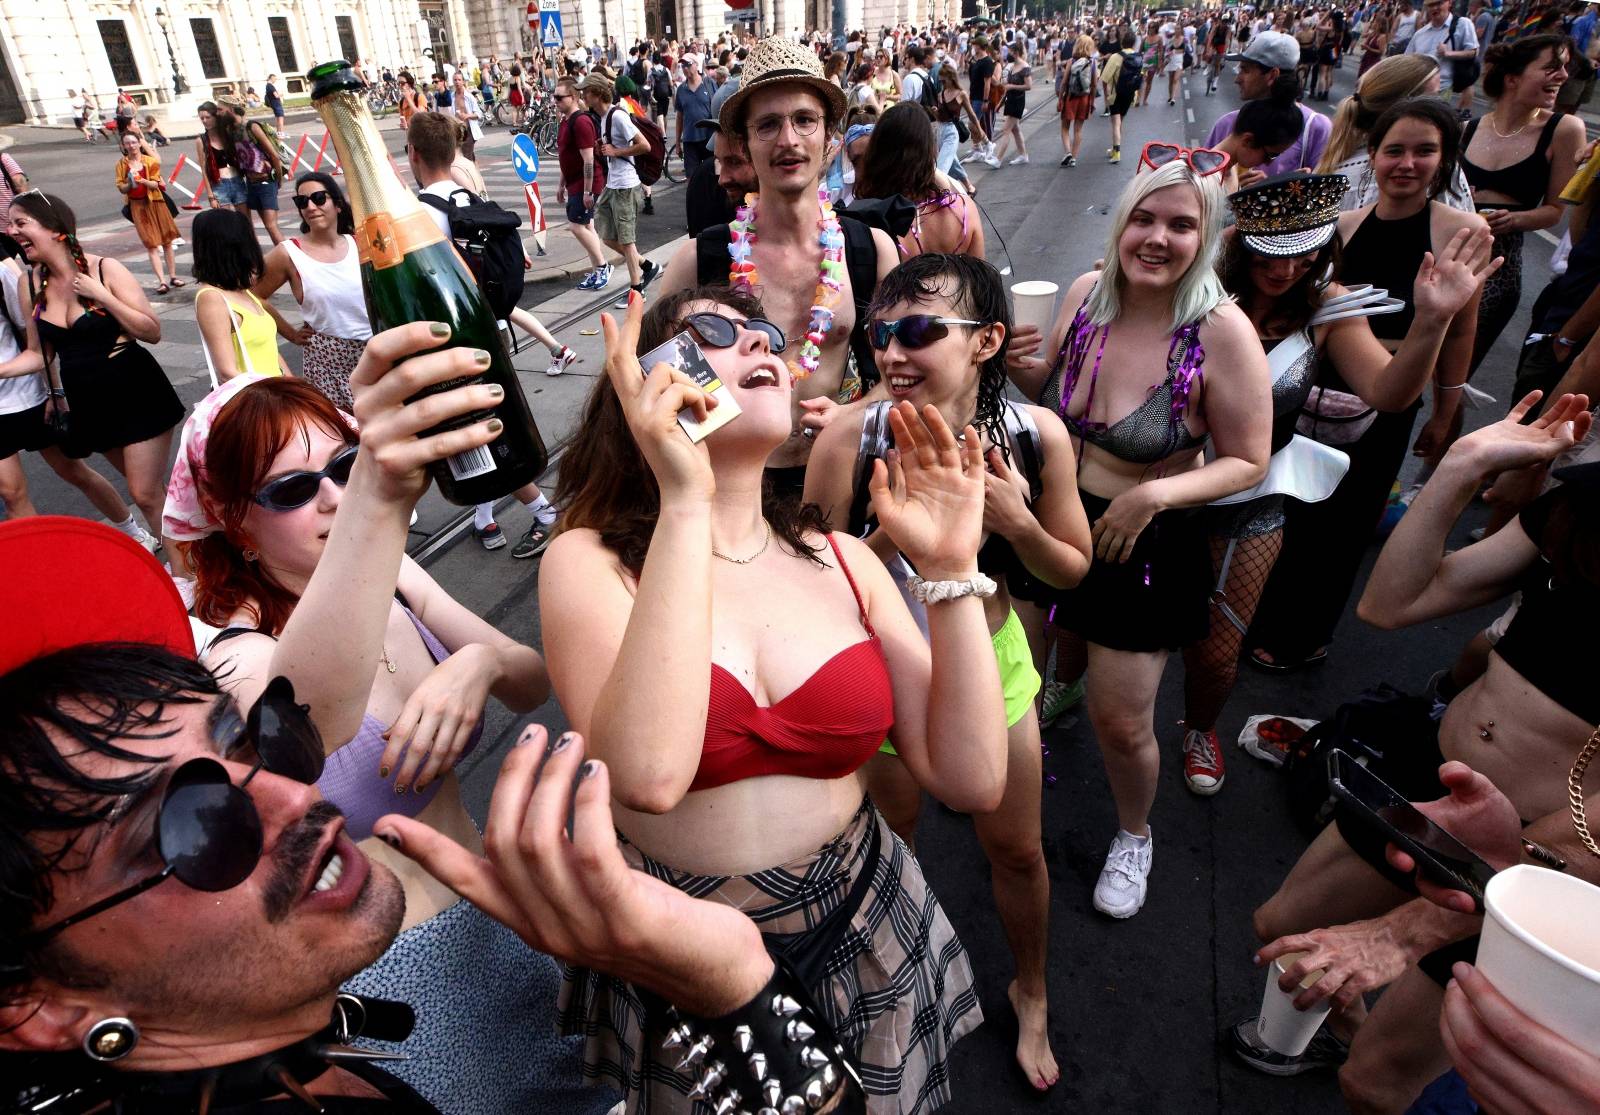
(147, 203)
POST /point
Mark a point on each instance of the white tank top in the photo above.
(332, 302)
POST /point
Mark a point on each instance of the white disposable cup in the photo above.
(1540, 951)
(1034, 303)
(1281, 1027)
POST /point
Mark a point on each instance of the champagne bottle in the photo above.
(410, 271)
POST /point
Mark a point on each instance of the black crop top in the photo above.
(1387, 254)
(1527, 180)
(1540, 643)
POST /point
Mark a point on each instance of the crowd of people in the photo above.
(931, 531)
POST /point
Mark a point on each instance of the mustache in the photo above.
(297, 848)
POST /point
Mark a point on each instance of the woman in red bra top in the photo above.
(735, 666)
(1148, 360)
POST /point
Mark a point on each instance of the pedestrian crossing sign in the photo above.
(550, 28)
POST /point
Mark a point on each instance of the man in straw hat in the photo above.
(785, 116)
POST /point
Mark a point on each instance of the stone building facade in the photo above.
(175, 53)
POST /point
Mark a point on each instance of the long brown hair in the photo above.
(900, 157)
(607, 486)
(56, 216)
(249, 432)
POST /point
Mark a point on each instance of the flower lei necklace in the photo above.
(830, 275)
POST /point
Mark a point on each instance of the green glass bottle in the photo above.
(410, 271)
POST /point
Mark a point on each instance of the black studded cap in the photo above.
(1289, 215)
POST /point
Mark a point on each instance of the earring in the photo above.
(110, 1039)
(251, 554)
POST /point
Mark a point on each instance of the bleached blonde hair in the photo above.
(1200, 290)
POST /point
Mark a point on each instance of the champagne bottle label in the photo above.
(383, 239)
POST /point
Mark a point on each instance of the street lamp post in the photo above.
(179, 86)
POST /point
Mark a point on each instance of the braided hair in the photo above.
(976, 291)
(57, 216)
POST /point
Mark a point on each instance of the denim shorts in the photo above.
(576, 213)
(262, 195)
(230, 191)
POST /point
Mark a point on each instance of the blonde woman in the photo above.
(1076, 103)
(1148, 361)
(1384, 85)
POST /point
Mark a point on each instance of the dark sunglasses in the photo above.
(1201, 160)
(296, 489)
(208, 831)
(316, 197)
(916, 331)
(718, 331)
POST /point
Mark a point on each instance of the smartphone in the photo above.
(683, 352)
(1440, 856)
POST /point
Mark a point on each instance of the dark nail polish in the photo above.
(495, 425)
(422, 785)
(439, 329)
(389, 838)
(526, 737)
(588, 770)
(383, 772)
(561, 742)
(399, 789)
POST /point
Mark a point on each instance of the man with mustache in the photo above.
(217, 990)
(785, 117)
(719, 184)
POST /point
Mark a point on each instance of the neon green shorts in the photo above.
(1019, 681)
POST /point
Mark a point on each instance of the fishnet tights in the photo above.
(1211, 666)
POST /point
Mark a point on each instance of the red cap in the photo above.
(66, 581)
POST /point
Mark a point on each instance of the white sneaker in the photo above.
(972, 156)
(991, 161)
(561, 361)
(1020, 160)
(1125, 877)
(145, 538)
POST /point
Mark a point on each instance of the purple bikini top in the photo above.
(350, 777)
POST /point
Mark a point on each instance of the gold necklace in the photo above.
(388, 662)
(746, 561)
(1515, 131)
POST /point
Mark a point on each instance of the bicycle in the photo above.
(383, 96)
(666, 164)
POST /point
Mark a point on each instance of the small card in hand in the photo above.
(683, 353)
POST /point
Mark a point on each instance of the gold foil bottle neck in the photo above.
(390, 221)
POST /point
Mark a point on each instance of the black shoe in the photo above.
(647, 273)
(534, 541)
(649, 207)
(1324, 1052)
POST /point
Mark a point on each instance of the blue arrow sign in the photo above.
(525, 157)
(550, 28)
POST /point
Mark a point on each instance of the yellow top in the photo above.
(255, 337)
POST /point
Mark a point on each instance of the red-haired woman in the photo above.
(297, 541)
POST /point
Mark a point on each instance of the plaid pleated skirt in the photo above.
(898, 988)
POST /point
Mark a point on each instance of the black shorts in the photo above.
(1156, 600)
(1121, 105)
(24, 429)
(1325, 55)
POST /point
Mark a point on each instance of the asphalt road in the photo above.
(1137, 1006)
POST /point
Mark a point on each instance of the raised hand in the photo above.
(650, 404)
(929, 494)
(1446, 284)
(1475, 813)
(552, 872)
(386, 385)
(1508, 444)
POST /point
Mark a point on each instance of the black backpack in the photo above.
(860, 262)
(1132, 73)
(636, 72)
(928, 96)
(486, 236)
(661, 84)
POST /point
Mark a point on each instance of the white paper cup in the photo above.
(1540, 951)
(1281, 1027)
(1034, 303)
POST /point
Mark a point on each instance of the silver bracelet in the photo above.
(937, 592)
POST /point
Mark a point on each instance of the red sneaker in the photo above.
(1202, 762)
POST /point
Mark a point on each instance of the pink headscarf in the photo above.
(185, 518)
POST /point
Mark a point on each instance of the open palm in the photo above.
(929, 495)
(1445, 285)
(1510, 444)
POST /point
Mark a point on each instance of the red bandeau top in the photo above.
(826, 728)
